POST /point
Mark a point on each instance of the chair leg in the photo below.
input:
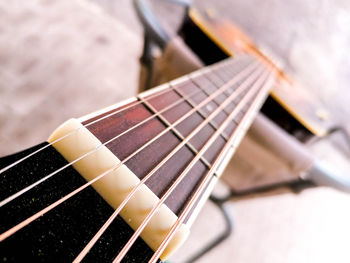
(220, 204)
(296, 186)
(146, 61)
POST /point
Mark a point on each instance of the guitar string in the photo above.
(27, 188)
(43, 179)
(239, 90)
(25, 222)
(22, 224)
(202, 186)
(251, 111)
(217, 65)
(183, 174)
(171, 189)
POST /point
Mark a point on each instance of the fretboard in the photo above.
(221, 100)
(176, 139)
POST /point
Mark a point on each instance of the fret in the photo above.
(210, 75)
(227, 110)
(135, 137)
(162, 101)
(229, 73)
(184, 90)
(145, 160)
(215, 143)
(209, 88)
(118, 123)
(205, 181)
(230, 106)
(220, 117)
(213, 152)
(198, 98)
(187, 187)
(200, 202)
(234, 68)
(214, 78)
(205, 85)
(176, 201)
(225, 74)
(237, 99)
(108, 110)
(176, 131)
(172, 115)
(244, 126)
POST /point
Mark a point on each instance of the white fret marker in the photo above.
(209, 107)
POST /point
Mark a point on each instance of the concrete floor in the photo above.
(51, 56)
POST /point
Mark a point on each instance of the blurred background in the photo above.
(61, 59)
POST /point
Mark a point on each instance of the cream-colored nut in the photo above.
(116, 185)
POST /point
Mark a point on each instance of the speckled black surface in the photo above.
(59, 235)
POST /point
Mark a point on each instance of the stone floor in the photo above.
(62, 59)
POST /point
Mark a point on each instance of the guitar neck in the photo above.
(172, 143)
(166, 105)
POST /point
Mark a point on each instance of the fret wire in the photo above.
(200, 112)
(27, 188)
(229, 62)
(226, 69)
(137, 233)
(215, 78)
(222, 74)
(76, 130)
(233, 69)
(210, 78)
(208, 93)
(203, 184)
(12, 197)
(127, 198)
(232, 64)
(14, 229)
(226, 92)
(197, 81)
(175, 131)
(217, 65)
(235, 144)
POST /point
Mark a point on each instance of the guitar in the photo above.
(126, 182)
(287, 105)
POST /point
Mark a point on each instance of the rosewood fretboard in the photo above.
(186, 93)
(219, 101)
